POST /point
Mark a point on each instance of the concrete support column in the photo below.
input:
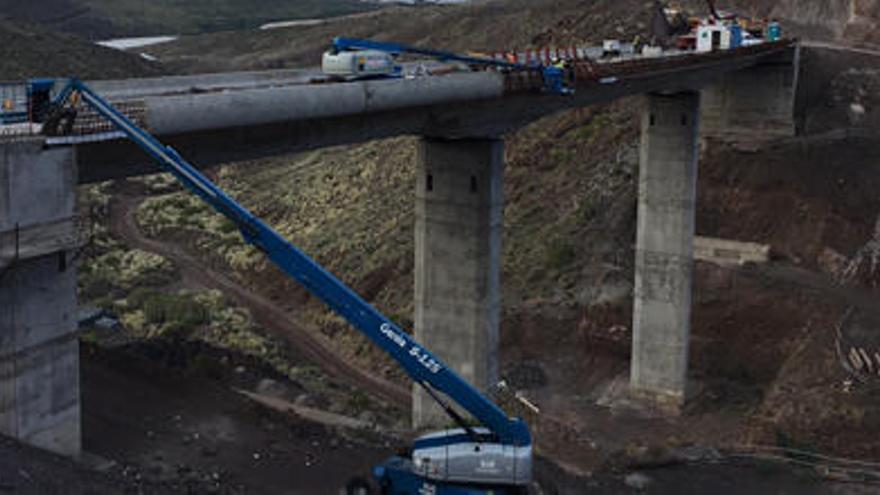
(753, 105)
(664, 248)
(459, 206)
(39, 350)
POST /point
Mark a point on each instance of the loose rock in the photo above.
(637, 481)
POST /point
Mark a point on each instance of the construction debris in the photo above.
(726, 252)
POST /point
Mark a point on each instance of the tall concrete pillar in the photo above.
(39, 350)
(459, 206)
(754, 105)
(664, 248)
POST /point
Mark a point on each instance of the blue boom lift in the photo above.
(357, 57)
(495, 458)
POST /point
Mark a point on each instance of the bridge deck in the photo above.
(227, 117)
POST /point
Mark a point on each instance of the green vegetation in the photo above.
(143, 290)
(581, 207)
(118, 271)
(589, 132)
(205, 316)
(182, 211)
(111, 270)
(352, 208)
(560, 253)
(181, 312)
(158, 183)
(355, 218)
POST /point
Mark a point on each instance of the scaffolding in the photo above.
(15, 119)
(13, 103)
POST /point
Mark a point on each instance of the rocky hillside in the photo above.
(842, 20)
(27, 50)
(485, 26)
(102, 19)
(499, 25)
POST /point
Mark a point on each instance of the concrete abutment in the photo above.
(39, 350)
(664, 249)
(459, 207)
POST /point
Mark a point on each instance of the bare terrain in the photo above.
(772, 411)
(102, 19)
(28, 50)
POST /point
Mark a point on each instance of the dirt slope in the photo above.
(501, 25)
(102, 19)
(175, 426)
(484, 26)
(852, 22)
(27, 50)
(845, 21)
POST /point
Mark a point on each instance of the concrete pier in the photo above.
(39, 350)
(753, 105)
(664, 248)
(459, 206)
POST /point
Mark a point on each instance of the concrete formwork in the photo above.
(39, 352)
(753, 105)
(664, 248)
(459, 207)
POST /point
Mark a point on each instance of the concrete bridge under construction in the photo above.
(748, 94)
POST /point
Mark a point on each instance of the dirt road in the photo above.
(123, 224)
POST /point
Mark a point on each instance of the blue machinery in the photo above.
(554, 77)
(493, 459)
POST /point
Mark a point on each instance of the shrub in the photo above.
(139, 296)
(560, 253)
(179, 329)
(180, 309)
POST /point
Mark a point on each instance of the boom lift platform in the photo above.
(495, 458)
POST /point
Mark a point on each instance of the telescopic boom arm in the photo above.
(419, 363)
(342, 44)
(554, 77)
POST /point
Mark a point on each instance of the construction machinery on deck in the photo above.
(672, 26)
(357, 58)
